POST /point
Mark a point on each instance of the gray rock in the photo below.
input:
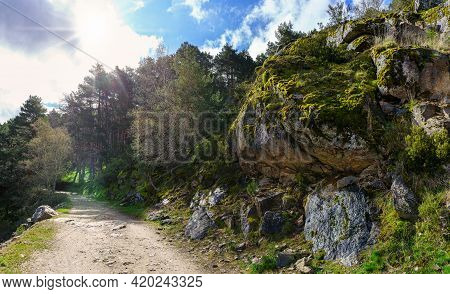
(338, 223)
(198, 198)
(241, 247)
(285, 258)
(249, 216)
(271, 223)
(301, 265)
(430, 117)
(42, 213)
(199, 224)
(216, 196)
(405, 202)
(280, 148)
(231, 221)
(349, 32)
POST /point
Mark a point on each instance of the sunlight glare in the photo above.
(94, 24)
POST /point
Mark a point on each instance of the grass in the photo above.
(14, 255)
(267, 263)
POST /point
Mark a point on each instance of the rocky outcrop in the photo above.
(211, 199)
(338, 222)
(199, 224)
(413, 73)
(416, 74)
(405, 202)
(42, 213)
(431, 116)
(279, 149)
(350, 31)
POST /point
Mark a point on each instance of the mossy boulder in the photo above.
(412, 73)
(352, 30)
(325, 98)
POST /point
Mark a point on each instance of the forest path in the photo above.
(95, 239)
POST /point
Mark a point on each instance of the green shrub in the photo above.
(252, 188)
(267, 263)
(426, 152)
(375, 263)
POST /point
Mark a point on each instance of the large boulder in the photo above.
(199, 224)
(412, 73)
(405, 202)
(338, 222)
(280, 148)
(42, 213)
(350, 31)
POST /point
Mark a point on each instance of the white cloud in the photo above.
(136, 5)
(56, 70)
(196, 6)
(259, 26)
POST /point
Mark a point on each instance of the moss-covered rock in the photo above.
(310, 107)
(412, 73)
(361, 44)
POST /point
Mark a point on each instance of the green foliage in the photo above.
(374, 264)
(431, 16)
(285, 35)
(267, 263)
(411, 247)
(14, 138)
(252, 188)
(427, 152)
(339, 12)
(49, 155)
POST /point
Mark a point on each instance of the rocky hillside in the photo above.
(344, 147)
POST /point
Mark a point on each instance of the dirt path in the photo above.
(94, 238)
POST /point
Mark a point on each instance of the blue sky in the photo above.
(122, 32)
(175, 24)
